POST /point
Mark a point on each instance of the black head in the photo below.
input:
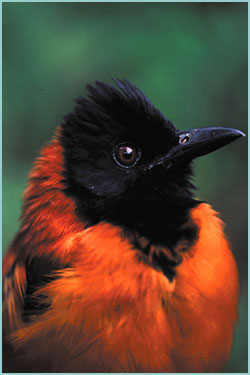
(114, 137)
(127, 164)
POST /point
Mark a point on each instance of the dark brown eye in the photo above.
(126, 155)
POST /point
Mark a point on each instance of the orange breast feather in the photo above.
(111, 312)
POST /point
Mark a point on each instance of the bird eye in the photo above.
(126, 155)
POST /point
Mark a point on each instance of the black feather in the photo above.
(154, 202)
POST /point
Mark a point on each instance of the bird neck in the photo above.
(160, 228)
(47, 214)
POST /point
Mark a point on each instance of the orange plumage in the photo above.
(108, 306)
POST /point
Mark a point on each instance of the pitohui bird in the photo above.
(117, 267)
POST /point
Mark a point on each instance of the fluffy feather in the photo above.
(123, 278)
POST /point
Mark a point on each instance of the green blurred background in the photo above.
(189, 58)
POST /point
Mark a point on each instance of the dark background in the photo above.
(190, 59)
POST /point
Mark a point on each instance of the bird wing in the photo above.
(22, 277)
(14, 286)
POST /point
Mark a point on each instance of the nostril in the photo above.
(184, 138)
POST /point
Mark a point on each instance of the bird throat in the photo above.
(164, 249)
(160, 233)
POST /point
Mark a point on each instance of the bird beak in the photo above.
(197, 142)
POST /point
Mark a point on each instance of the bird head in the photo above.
(127, 164)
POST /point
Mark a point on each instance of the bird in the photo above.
(117, 266)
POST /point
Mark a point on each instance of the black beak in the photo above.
(197, 142)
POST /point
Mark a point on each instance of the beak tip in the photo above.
(242, 134)
(235, 133)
